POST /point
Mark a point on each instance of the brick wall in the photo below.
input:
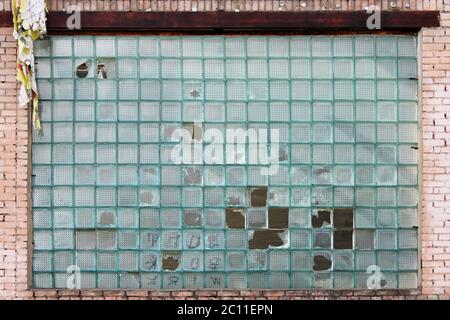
(435, 217)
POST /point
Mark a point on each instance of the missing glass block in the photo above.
(321, 218)
(264, 239)
(278, 218)
(106, 68)
(171, 260)
(258, 197)
(235, 218)
(343, 239)
(343, 218)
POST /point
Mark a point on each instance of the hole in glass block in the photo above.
(83, 69)
(264, 239)
(106, 68)
(258, 197)
(321, 218)
(171, 260)
(278, 218)
(322, 261)
(235, 218)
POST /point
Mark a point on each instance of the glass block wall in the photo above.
(111, 208)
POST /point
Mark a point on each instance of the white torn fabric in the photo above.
(33, 16)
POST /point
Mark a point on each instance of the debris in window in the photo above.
(106, 68)
(106, 218)
(263, 239)
(192, 176)
(321, 218)
(343, 218)
(258, 196)
(171, 260)
(83, 69)
(192, 218)
(278, 218)
(322, 262)
(195, 130)
(343, 239)
(235, 218)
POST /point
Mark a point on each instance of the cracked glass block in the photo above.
(278, 196)
(300, 196)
